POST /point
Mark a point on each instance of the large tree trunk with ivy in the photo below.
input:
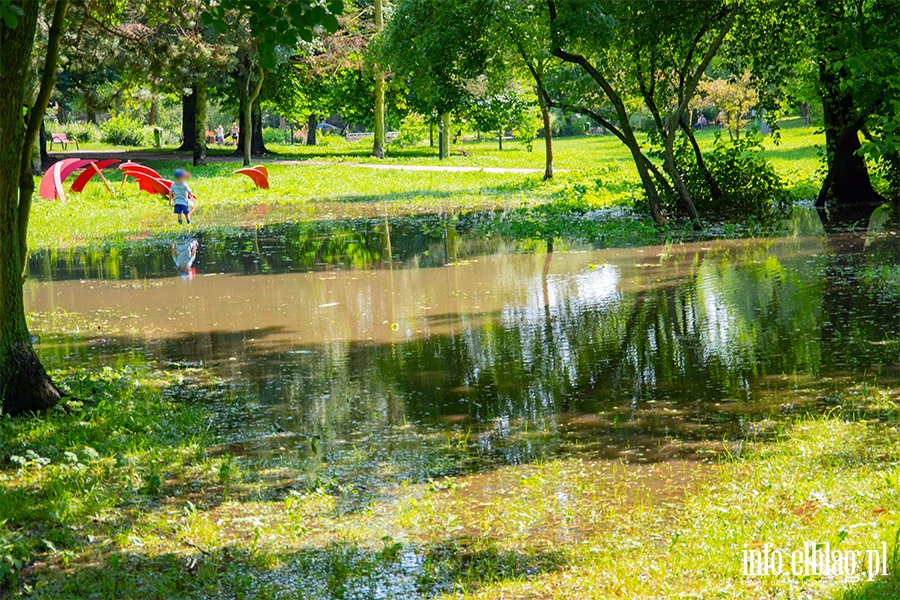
(847, 183)
(200, 123)
(188, 121)
(847, 186)
(24, 384)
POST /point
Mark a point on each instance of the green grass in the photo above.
(130, 496)
(597, 173)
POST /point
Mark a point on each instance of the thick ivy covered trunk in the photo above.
(248, 97)
(24, 384)
(847, 186)
(847, 181)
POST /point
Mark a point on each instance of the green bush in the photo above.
(568, 126)
(273, 136)
(749, 185)
(331, 139)
(413, 130)
(125, 131)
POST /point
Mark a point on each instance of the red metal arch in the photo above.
(259, 174)
(148, 183)
(90, 171)
(51, 183)
(138, 168)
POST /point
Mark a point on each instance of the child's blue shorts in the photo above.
(182, 209)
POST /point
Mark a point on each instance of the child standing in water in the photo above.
(180, 196)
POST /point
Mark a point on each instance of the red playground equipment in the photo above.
(51, 187)
(148, 180)
(259, 174)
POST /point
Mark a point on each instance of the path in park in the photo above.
(138, 156)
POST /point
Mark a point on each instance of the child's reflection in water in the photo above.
(184, 255)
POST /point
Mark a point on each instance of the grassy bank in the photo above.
(598, 174)
(132, 495)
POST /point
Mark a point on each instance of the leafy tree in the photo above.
(734, 96)
(498, 109)
(522, 28)
(650, 50)
(271, 26)
(416, 44)
(24, 384)
(857, 47)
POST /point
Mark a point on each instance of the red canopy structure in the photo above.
(51, 187)
(148, 180)
(259, 174)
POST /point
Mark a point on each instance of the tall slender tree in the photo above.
(378, 145)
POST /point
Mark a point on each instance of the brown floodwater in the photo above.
(408, 355)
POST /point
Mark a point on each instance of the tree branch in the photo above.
(35, 116)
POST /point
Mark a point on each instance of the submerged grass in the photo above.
(129, 495)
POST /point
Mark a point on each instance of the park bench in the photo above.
(62, 140)
(390, 136)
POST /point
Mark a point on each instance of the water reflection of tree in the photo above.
(275, 249)
(668, 337)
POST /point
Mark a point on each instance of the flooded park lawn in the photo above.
(399, 412)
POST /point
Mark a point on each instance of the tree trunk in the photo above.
(247, 132)
(847, 184)
(445, 135)
(200, 123)
(62, 115)
(641, 162)
(24, 384)
(378, 144)
(311, 123)
(714, 189)
(188, 121)
(548, 137)
(45, 158)
(847, 181)
(257, 145)
(500, 139)
(431, 134)
(151, 120)
(686, 200)
(248, 97)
